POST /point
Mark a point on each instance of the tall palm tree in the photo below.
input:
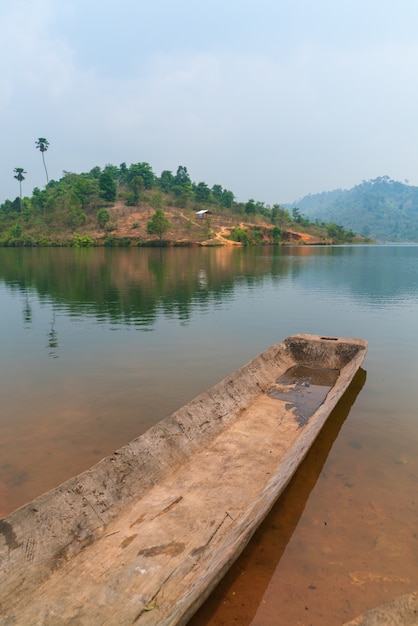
(19, 171)
(42, 144)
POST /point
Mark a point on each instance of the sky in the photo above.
(271, 99)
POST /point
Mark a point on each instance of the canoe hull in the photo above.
(159, 522)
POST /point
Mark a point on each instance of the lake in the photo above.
(99, 344)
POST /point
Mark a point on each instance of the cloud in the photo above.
(272, 102)
(31, 60)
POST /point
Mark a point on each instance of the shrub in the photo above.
(239, 234)
(82, 241)
(110, 241)
(124, 242)
(110, 226)
(103, 217)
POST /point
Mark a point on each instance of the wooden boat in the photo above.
(145, 535)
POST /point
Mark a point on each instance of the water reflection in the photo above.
(253, 570)
(53, 336)
(134, 286)
(27, 310)
(376, 276)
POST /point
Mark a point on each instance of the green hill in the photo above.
(383, 209)
(121, 206)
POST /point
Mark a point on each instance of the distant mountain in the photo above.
(383, 209)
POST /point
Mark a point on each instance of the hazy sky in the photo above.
(271, 99)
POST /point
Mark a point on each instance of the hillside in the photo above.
(382, 208)
(121, 206)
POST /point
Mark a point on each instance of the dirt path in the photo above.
(221, 235)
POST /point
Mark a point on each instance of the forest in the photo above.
(381, 208)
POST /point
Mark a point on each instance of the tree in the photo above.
(166, 181)
(19, 171)
(277, 234)
(80, 188)
(103, 217)
(144, 171)
(250, 207)
(202, 193)
(42, 144)
(158, 224)
(113, 170)
(39, 200)
(107, 186)
(217, 193)
(182, 184)
(279, 215)
(95, 172)
(299, 218)
(227, 199)
(136, 185)
(182, 177)
(338, 234)
(123, 173)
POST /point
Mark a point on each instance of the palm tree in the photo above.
(19, 171)
(42, 144)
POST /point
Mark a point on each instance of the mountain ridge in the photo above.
(381, 208)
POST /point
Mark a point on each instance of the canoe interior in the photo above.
(148, 532)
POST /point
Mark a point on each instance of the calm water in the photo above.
(97, 345)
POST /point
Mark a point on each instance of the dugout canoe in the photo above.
(144, 536)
